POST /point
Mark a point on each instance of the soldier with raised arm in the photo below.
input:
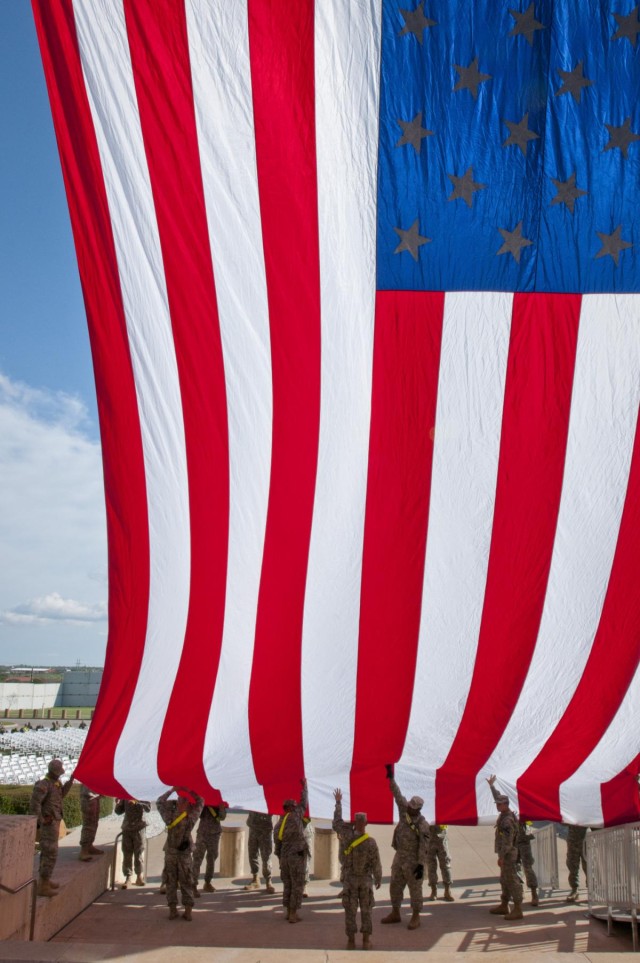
(411, 843)
(362, 870)
(180, 816)
(507, 852)
(525, 856)
(291, 849)
(133, 834)
(208, 845)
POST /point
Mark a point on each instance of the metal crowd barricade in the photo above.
(613, 873)
(545, 854)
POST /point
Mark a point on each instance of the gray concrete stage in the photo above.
(231, 926)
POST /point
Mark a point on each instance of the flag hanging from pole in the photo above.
(362, 281)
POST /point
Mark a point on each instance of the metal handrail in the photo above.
(34, 892)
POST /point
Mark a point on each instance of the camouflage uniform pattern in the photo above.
(507, 851)
(309, 835)
(292, 852)
(260, 842)
(438, 853)
(133, 827)
(90, 808)
(178, 848)
(575, 853)
(525, 856)
(208, 841)
(411, 843)
(362, 870)
(46, 806)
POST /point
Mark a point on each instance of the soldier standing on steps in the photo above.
(133, 834)
(411, 842)
(180, 816)
(362, 871)
(46, 806)
(90, 807)
(260, 844)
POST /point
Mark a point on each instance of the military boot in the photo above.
(209, 888)
(139, 880)
(196, 892)
(270, 888)
(45, 888)
(254, 884)
(366, 941)
(173, 911)
(573, 895)
(187, 914)
(534, 896)
(125, 885)
(293, 917)
(351, 943)
(163, 888)
(54, 885)
(94, 851)
(433, 895)
(84, 856)
(414, 922)
(393, 917)
(516, 912)
(448, 898)
(500, 909)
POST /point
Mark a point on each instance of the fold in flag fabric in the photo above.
(362, 285)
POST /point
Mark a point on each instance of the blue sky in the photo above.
(52, 539)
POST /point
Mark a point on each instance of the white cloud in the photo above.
(52, 522)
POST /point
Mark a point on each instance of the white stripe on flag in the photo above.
(475, 346)
(602, 424)
(106, 65)
(347, 52)
(219, 55)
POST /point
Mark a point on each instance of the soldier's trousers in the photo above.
(209, 844)
(526, 858)
(358, 891)
(575, 858)
(401, 876)
(49, 836)
(90, 817)
(438, 852)
(293, 867)
(179, 870)
(510, 881)
(260, 844)
(132, 848)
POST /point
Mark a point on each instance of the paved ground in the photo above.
(249, 927)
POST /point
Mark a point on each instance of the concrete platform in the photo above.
(231, 926)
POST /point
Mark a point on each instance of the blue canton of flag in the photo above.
(509, 146)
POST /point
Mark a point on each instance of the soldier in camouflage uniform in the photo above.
(362, 871)
(133, 827)
(260, 844)
(411, 842)
(90, 808)
(180, 817)
(309, 835)
(208, 841)
(291, 850)
(46, 806)
(438, 852)
(507, 851)
(575, 856)
(525, 856)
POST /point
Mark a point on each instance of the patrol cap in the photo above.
(56, 767)
(360, 816)
(502, 799)
(416, 802)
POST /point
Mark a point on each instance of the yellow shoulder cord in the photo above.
(355, 843)
(213, 812)
(284, 823)
(177, 820)
(411, 826)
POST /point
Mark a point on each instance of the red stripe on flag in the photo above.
(406, 360)
(535, 424)
(621, 796)
(125, 490)
(611, 665)
(284, 116)
(158, 42)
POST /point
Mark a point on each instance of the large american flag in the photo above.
(361, 278)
